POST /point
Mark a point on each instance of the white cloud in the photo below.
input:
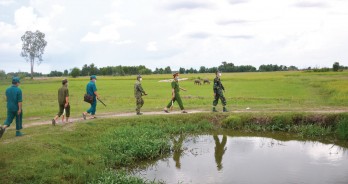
(152, 46)
(185, 33)
(118, 21)
(25, 17)
(106, 34)
(125, 42)
(96, 23)
(6, 2)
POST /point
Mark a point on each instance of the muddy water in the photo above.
(227, 159)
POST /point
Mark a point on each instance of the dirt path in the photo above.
(130, 114)
(110, 115)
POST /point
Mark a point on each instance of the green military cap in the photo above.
(93, 77)
(139, 76)
(16, 80)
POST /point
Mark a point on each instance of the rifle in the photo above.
(101, 102)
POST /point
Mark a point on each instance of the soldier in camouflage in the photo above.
(218, 94)
(138, 93)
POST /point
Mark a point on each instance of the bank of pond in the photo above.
(240, 148)
(193, 148)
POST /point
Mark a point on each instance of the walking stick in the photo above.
(101, 102)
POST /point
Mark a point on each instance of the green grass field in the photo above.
(97, 151)
(283, 91)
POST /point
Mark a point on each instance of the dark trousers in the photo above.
(61, 110)
(219, 95)
(14, 114)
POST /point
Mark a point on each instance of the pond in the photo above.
(231, 159)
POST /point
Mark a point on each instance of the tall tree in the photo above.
(33, 47)
(167, 70)
(66, 72)
(75, 72)
(336, 66)
(2, 74)
(182, 70)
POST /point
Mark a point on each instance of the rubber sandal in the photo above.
(2, 130)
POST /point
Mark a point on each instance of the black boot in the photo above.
(214, 109)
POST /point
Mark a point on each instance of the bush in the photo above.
(233, 122)
(313, 131)
(342, 129)
(281, 122)
(113, 177)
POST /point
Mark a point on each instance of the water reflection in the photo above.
(228, 159)
(178, 150)
(219, 150)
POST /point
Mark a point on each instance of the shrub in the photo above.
(113, 177)
(233, 122)
(313, 131)
(281, 122)
(342, 129)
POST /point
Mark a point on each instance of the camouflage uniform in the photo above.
(138, 93)
(218, 87)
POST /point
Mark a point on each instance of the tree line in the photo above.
(91, 69)
(225, 67)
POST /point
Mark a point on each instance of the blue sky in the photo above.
(189, 33)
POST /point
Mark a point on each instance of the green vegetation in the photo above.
(306, 125)
(85, 152)
(274, 91)
(342, 129)
(101, 151)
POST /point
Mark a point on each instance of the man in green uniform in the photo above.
(175, 94)
(91, 89)
(14, 107)
(63, 102)
(138, 93)
(218, 94)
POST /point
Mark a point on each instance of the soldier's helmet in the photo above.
(138, 77)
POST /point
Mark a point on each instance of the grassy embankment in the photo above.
(96, 151)
(281, 91)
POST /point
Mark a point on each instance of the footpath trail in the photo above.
(131, 114)
(109, 115)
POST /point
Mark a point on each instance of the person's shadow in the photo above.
(178, 150)
(219, 150)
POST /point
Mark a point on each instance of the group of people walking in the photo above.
(14, 100)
